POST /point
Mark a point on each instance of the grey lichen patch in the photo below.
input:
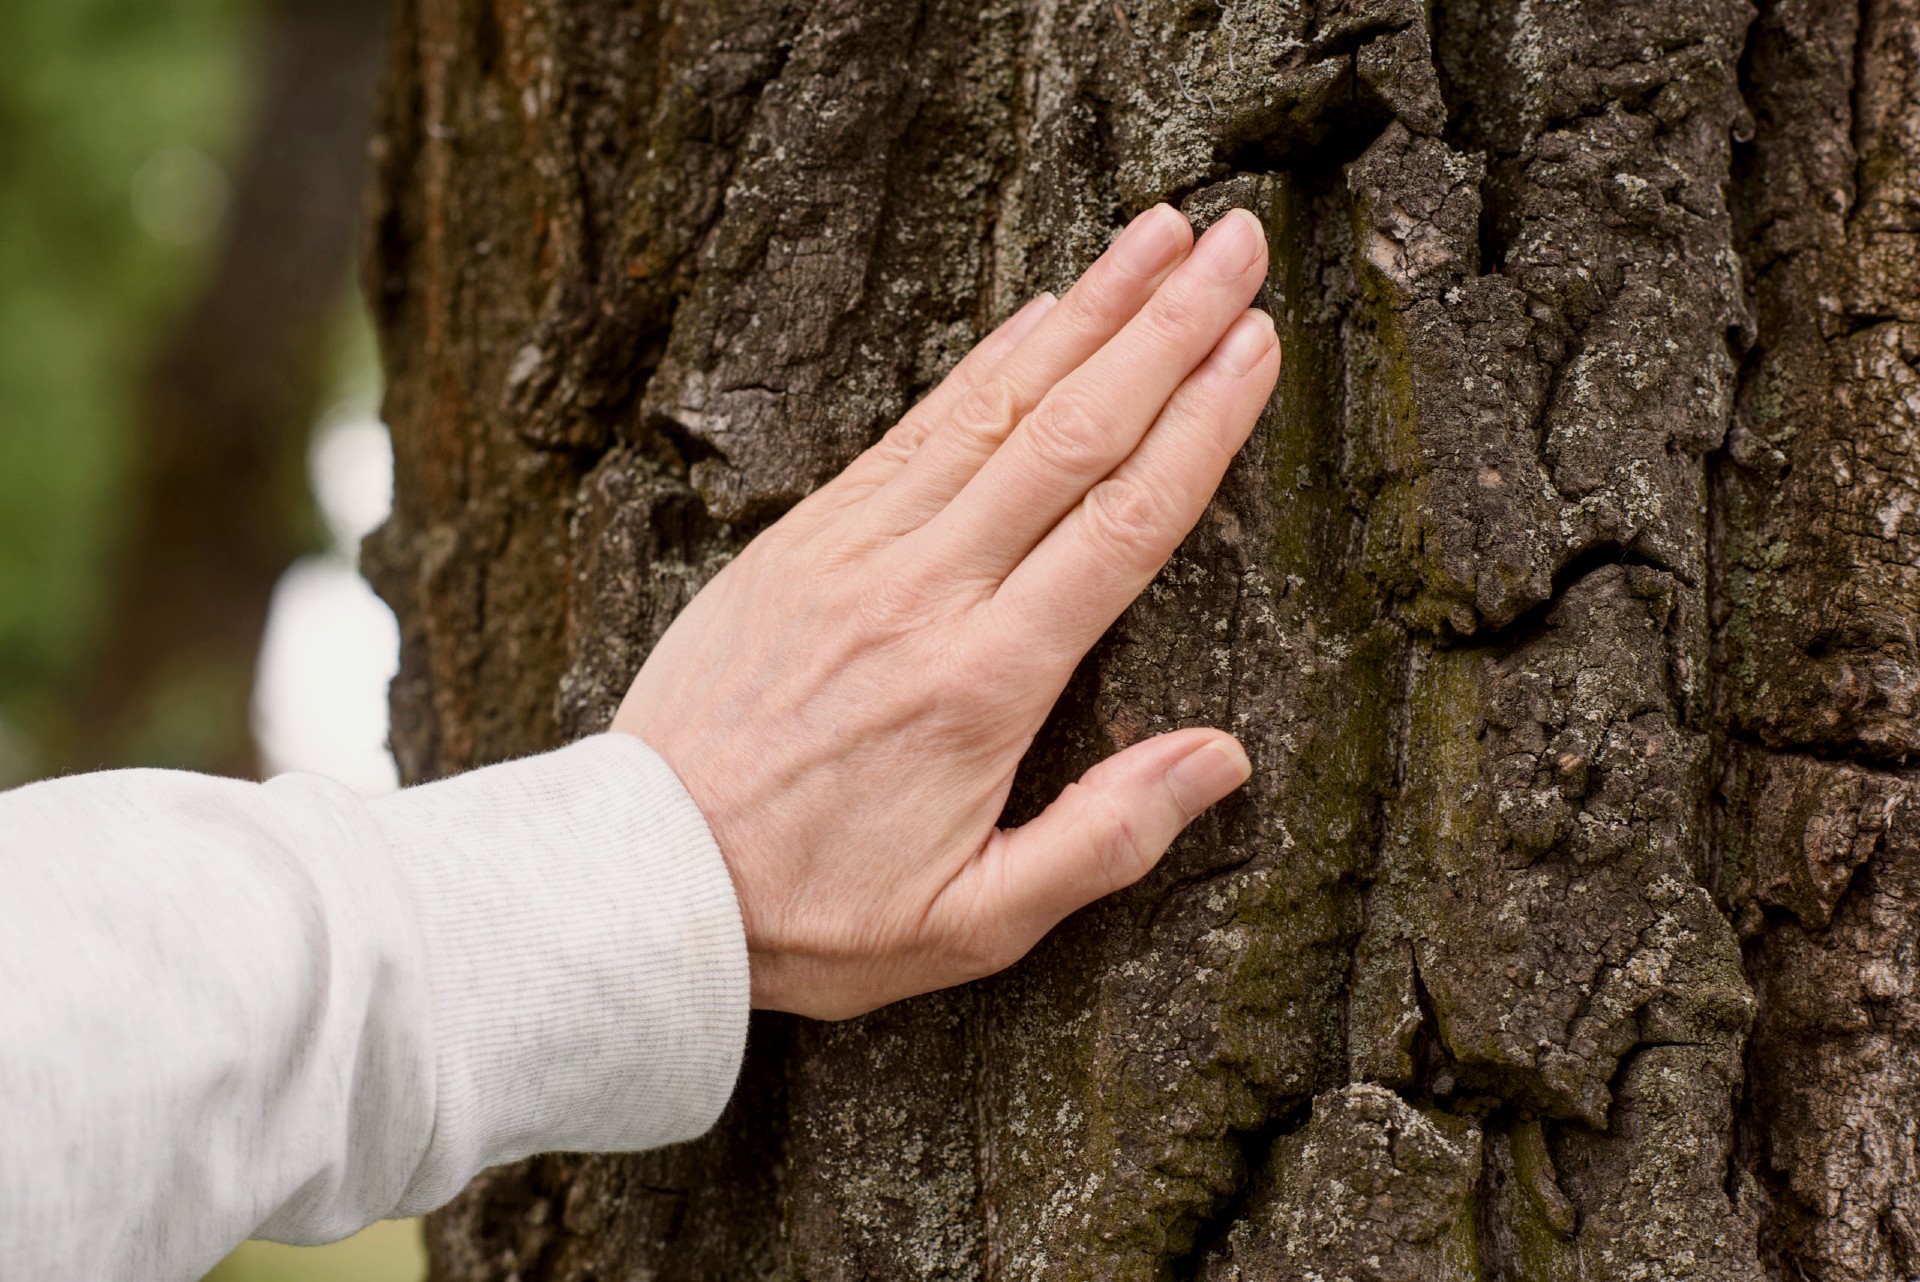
(1262, 84)
(1371, 1189)
(1384, 1009)
(884, 1110)
(1652, 1190)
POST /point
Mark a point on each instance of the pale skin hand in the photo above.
(847, 701)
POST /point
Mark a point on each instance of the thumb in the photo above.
(1103, 833)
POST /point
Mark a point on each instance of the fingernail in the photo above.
(1246, 343)
(1151, 241)
(1209, 773)
(1230, 246)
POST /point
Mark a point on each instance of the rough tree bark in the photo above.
(1565, 598)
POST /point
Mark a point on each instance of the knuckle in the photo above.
(1101, 298)
(906, 436)
(1122, 856)
(840, 552)
(1175, 315)
(893, 604)
(1067, 432)
(1124, 514)
(987, 411)
(950, 688)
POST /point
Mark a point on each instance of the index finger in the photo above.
(1100, 303)
(891, 452)
(1102, 555)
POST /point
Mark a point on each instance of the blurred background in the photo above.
(190, 446)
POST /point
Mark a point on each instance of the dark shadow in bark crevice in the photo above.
(1254, 1147)
(1535, 621)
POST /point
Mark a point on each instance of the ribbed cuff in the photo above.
(585, 953)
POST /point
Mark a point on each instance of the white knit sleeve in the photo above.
(233, 1009)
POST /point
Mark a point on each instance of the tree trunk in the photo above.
(1565, 599)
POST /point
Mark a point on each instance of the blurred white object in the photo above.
(351, 464)
(332, 646)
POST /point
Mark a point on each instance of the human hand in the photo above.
(847, 701)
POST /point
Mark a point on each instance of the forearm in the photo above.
(233, 1009)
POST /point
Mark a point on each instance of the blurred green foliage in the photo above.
(98, 98)
(390, 1251)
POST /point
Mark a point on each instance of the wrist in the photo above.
(585, 955)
